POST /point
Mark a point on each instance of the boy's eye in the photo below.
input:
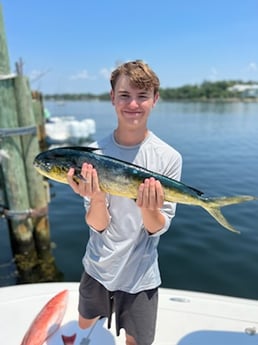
(140, 96)
(123, 95)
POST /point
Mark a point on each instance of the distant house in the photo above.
(245, 90)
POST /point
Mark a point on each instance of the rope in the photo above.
(23, 215)
(7, 132)
(7, 76)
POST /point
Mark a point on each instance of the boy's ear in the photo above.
(112, 96)
(156, 98)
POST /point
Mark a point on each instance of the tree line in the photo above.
(219, 90)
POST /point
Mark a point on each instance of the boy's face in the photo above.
(132, 105)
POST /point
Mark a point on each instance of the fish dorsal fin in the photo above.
(196, 190)
(81, 148)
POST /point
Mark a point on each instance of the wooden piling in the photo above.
(24, 188)
(36, 190)
(15, 182)
(4, 57)
(30, 147)
(21, 232)
(38, 195)
(38, 109)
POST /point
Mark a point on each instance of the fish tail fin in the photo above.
(215, 212)
(213, 207)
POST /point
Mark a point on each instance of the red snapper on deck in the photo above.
(48, 320)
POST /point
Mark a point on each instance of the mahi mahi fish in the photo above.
(121, 178)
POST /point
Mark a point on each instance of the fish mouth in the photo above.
(41, 166)
(38, 164)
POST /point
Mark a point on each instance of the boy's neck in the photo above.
(130, 138)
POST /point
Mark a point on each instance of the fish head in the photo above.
(55, 164)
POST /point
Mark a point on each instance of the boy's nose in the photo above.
(133, 102)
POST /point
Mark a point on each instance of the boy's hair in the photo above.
(139, 73)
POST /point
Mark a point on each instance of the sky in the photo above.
(72, 46)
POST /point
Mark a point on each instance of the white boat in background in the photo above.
(184, 317)
(67, 129)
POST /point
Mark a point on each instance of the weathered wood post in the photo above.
(12, 166)
(4, 57)
(15, 185)
(38, 195)
(38, 109)
(19, 143)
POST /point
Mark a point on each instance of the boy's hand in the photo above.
(150, 194)
(88, 185)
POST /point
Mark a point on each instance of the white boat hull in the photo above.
(184, 318)
(69, 130)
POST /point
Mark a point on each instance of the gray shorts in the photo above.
(136, 313)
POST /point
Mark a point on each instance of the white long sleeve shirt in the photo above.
(124, 256)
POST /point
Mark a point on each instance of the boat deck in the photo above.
(184, 318)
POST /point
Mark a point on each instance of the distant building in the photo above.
(245, 90)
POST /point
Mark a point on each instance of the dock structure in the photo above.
(25, 192)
